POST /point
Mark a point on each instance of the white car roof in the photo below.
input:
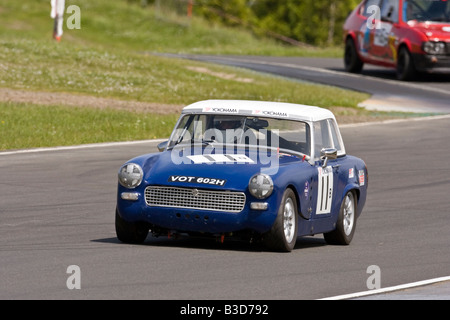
(261, 108)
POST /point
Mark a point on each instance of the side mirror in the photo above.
(162, 146)
(328, 154)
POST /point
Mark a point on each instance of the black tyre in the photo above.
(283, 235)
(130, 232)
(405, 65)
(352, 61)
(346, 223)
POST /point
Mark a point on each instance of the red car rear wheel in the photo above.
(352, 61)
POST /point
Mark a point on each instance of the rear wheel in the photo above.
(352, 61)
(346, 224)
(283, 235)
(130, 232)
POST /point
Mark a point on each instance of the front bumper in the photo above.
(432, 63)
(201, 221)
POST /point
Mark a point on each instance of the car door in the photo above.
(372, 19)
(329, 187)
(384, 35)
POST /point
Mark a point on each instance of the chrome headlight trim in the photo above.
(260, 186)
(130, 175)
(435, 47)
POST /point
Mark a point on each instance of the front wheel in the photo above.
(130, 232)
(405, 65)
(346, 224)
(283, 235)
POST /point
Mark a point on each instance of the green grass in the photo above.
(109, 57)
(119, 25)
(105, 57)
(56, 67)
(25, 126)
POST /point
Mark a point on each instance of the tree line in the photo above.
(299, 22)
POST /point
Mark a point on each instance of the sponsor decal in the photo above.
(351, 173)
(325, 190)
(364, 38)
(446, 29)
(198, 180)
(220, 158)
(270, 113)
(382, 35)
(362, 178)
(220, 110)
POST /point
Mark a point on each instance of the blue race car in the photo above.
(255, 170)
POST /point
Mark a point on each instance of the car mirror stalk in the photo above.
(327, 154)
(162, 146)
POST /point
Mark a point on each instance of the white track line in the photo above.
(388, 289)
(394, 121)
(83, 146)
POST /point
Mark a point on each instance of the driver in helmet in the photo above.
(228, 129)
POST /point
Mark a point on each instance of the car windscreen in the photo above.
(285, 135)
(427, 10)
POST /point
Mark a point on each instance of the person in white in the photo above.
(57, 14)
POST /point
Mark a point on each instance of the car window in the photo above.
(335, 136)
(287, 135)
(326, 135)
(365, 8)
(322, 137)
(189, 128)
(426, 10)
(390, 10)
(292, 135)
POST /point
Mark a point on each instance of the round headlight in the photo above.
(432, 47)
(130, 175)
(260, 186)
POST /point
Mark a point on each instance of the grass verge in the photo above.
(29, 126)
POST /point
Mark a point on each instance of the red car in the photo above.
(409, 35)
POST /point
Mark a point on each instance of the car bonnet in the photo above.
(433, 30)
(230, 170)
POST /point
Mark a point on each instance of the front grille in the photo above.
(194, 199)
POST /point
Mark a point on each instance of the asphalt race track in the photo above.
(57, 210)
